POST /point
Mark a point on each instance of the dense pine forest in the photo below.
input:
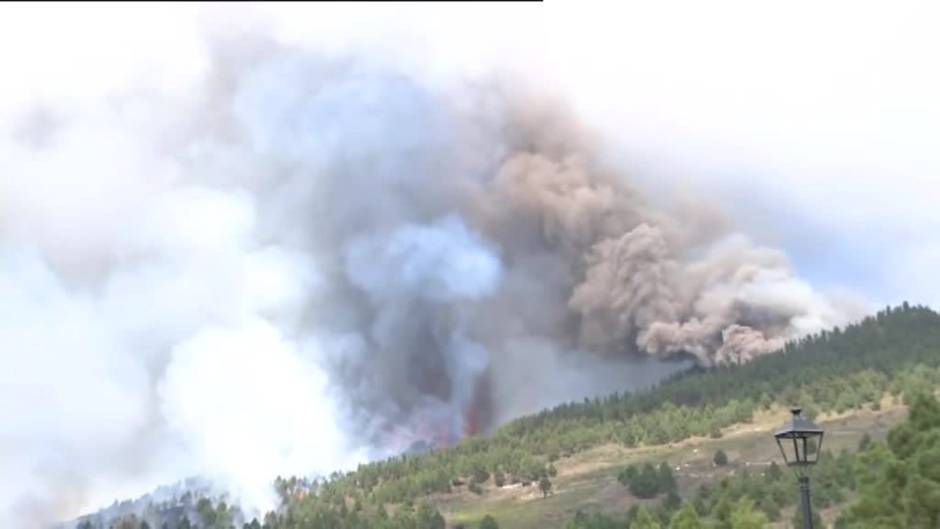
(897, 484)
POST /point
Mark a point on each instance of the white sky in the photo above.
(816, 122)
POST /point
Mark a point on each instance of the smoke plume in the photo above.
(304, 262)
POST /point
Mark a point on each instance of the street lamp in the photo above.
(800, 442)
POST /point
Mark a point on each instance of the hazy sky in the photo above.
(815, 125)
(818, 123)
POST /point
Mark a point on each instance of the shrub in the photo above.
(721, 458)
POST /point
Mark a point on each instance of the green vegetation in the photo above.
(721, 458)
(545, 485)
(488, 522)
(745, 516)
(647, 481)
(899, 482)
(645, 520)
(745, 500)
(895, 485)
(686, 518)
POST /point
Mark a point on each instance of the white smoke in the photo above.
(149, 332)
(441, 262)
(242, 399)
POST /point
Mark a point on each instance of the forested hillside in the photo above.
(843, 369)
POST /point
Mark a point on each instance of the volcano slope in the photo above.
(586, 487)
(855, 381)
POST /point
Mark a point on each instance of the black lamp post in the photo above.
(800, 442)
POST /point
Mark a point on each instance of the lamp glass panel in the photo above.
(783, 451)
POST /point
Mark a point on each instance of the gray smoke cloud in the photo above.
(305, 262)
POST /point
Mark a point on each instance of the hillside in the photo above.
(843, 376)
(587, 482)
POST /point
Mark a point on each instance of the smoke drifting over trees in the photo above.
(308, 261)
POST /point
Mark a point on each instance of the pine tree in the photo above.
(545, 485)
(685, 518)
(745, 516)
(645, 520)
(721, 458)
(488, 522)
(428, 518)
(667, 482)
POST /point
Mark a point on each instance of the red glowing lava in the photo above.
(478, 414)
(471, 421)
